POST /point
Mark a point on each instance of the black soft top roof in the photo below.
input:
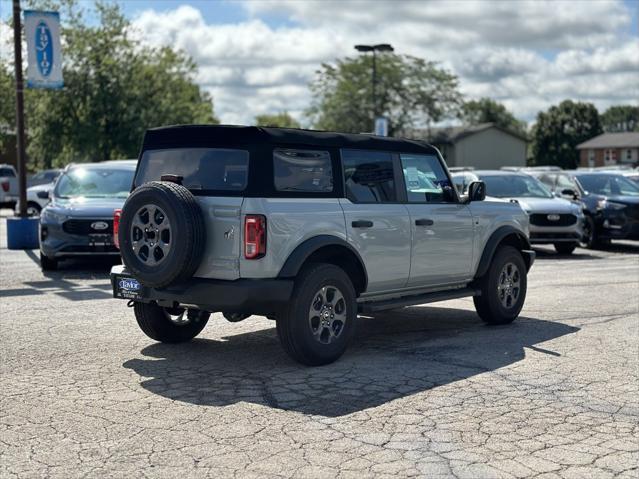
(212, 136)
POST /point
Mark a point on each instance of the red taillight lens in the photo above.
(5, 186)
(254, 236)
(116, 227)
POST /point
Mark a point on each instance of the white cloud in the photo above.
(527, 54)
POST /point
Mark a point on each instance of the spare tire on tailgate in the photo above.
(162, 234)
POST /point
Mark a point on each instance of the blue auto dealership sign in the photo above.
(42, 30)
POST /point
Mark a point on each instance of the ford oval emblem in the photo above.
(129, 284)
(553, 217)
(100, 225)
(44, 48)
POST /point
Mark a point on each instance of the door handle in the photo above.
(362, 224)
(424, 222)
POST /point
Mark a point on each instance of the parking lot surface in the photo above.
(425, 391)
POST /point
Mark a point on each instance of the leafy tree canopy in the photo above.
(621, 118)
(410, 92)
(560, 129)
(282, 120)
(487, 110)
(115, 88)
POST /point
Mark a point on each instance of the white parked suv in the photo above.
(309, 229)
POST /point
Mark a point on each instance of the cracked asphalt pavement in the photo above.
(426, 391)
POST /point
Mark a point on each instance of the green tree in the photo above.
(282, 120)
(559, 130)
(115, 88)
(7, 103)
(621, 118)
(410, 91)
(487, 110)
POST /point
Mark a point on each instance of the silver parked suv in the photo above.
(309, 229)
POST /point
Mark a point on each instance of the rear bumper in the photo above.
(249, 296)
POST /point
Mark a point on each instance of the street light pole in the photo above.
(22, 162)
(381, 47)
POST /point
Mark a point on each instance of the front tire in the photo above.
(565, 248)
(48, 264)
(503, 288)
(169, 325)
(320, 320)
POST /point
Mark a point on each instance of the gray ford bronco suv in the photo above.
(309, 229)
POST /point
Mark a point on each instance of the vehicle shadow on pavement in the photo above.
(62, 282)
(393, 356)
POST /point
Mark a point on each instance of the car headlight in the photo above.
(52, 216)
(609, 205)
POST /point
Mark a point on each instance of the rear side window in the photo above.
(369, 176)
(201, 168)
(302, 170)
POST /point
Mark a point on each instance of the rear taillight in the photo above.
(116, 227)
(5, 186)
(254, 236)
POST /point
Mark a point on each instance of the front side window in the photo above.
(424, 177)
(200, 168)
(566, 183)
(369, 176)
(302, 170)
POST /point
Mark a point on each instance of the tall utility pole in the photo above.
(22, 160)
(382, 47)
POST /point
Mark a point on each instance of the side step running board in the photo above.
(375, 306)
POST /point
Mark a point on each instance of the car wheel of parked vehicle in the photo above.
(320, 320)
(48, 264)
(503, 288)
(162, 234)
(169, 325)
(33, 209)
(565, 248)
(590, 239)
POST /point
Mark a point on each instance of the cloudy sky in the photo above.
(259, 56)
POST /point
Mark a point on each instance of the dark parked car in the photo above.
(79, 219)
(611, 202)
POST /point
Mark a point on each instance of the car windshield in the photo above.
(607, 185)
(95, 183)
(514, 186)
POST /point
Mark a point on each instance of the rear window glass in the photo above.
(201, 168)
(302, 170)
(7, 172)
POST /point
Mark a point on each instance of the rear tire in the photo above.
(565, 248)
(160, 324)
(48, 264)
(33, 209)
(503, 288)
(320, 320)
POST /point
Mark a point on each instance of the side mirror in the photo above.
(477, 191)
(449, 195)
(43, 194)
(569, 193)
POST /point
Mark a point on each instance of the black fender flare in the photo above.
(304, 250)
(493, 242)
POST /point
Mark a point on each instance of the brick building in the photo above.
(610, 149)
